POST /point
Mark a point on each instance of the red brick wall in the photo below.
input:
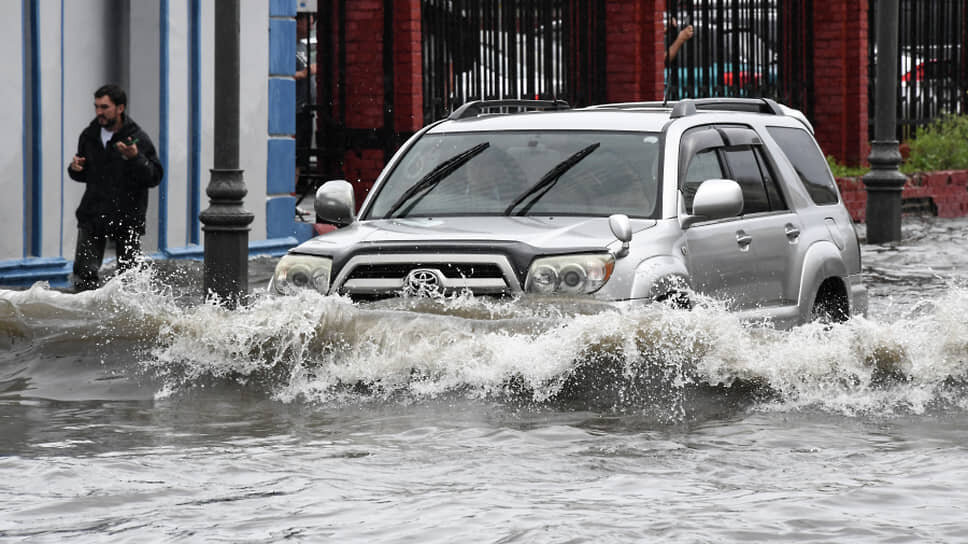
(407, 66)
(364, 80)
(635, 49)
(364, 88)
(364, 64)
(840, 66)
(947, 190)
(361, 169)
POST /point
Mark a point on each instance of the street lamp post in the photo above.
(226, 221)
(884, 182)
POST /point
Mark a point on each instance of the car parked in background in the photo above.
(932, 81)
(627, 203)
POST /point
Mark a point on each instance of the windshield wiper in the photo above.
(429, 181)
(547, 181)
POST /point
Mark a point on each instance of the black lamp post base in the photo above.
(884, 184)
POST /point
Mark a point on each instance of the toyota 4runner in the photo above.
(646, 201)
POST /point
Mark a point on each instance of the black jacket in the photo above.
(116, 197)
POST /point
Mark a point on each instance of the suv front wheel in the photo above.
(831, 304)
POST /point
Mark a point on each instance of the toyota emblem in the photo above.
(423, 282)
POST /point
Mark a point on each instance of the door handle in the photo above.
(792, 232)
(743, 239)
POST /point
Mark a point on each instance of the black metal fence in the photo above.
(492, 49)
(488, 49)
(319, 138)
(307, 55)
(932, 63)
(751, 48)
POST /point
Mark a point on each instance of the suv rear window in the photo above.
(809, 163)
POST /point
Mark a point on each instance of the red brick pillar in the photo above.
(407, 66)
(364, 89)
(635, 49)
(364, 81)
(840, 80)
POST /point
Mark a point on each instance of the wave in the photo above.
(574, 353)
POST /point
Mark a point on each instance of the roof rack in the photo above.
(477, 107)
(631, 105)
(690, 106)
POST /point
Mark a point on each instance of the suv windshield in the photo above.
(524, 173)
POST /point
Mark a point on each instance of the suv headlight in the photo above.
(569, 274)
(301, 272)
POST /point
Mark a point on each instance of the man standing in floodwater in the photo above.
(118, 162)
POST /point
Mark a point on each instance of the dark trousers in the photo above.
(89, 254)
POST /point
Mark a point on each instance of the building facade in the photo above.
(161, 52)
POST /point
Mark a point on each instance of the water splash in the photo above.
(310, 348)
(327, 349)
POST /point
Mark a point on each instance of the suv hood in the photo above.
(549, 233)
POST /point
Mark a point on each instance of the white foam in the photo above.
(319, 349)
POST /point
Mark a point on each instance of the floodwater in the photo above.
(138, 413)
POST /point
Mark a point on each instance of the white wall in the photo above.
(118, 41)
(144, 91)
(52, 165)
(253, 108)
(179, 107)
(254, 58)
(11, 134)
(208, 98)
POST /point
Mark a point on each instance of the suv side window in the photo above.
(811, 167)
(750, 170)
(704, 165)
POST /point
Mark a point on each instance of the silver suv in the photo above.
(730, 198)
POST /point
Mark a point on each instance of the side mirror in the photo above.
(622, 229)
(715, 199)
(336, 203)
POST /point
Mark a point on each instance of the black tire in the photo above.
(830, 307)
(677, 299)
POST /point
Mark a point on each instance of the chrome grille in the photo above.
(385, 274)
(450, 270)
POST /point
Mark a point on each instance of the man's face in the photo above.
(108, 113)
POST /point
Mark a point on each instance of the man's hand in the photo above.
(77, 164)
(128, 149)
(685, 34)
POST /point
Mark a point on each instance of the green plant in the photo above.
(939, 145)
(841, 170)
